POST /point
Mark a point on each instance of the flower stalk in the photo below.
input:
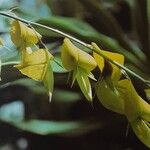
(11, 15)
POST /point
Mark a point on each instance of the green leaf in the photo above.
(13, 114)
(107, 22)
(84, 83)
(62, 96)
(57, 65)
(142, 130)
(74, 76)
(48, 80)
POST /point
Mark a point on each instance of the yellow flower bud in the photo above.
(21, 35)
(73, 57)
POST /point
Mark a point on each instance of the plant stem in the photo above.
(10, 63)
(76, 40)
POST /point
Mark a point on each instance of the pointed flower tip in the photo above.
(50, 97)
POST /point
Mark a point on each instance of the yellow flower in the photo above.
(106, 90)
(36, 65)
(21, 35)
(73, 57)
(119, 95)
(136, 110)
(81, 63)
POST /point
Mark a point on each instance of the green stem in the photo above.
(78, 41)
(10, 63)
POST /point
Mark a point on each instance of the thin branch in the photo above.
(10, 63)
(78, 41)
(43, 26)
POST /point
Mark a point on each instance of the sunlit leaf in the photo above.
(142, 131)
(21, 35)
(48, 80)
(84, 83)
(74, 76)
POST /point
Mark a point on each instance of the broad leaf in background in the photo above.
(106, 20)
(8, 51)
(39, 9)
(81, 63)
(13, 114)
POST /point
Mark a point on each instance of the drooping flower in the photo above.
(106, 87)
(36, 65)
(119, 95)
(136, 110)
(81, 63)
(22, 35)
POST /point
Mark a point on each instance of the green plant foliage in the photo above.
(13, 114)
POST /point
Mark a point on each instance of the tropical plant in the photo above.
(115, 94)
